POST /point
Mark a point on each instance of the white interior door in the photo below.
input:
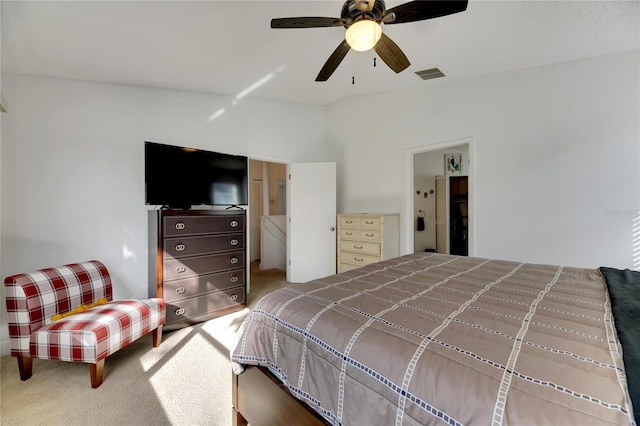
(311, 221)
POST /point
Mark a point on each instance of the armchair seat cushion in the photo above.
(96, 333)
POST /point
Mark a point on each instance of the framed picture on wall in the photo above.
(453, 164)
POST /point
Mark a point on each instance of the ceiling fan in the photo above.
(363, 19)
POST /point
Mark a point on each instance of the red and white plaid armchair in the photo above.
(66, 313)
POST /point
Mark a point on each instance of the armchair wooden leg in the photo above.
(96, 371)
(157, 336)
(25, 365)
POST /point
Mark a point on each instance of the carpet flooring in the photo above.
(185, 381)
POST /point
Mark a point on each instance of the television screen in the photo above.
(179, 177)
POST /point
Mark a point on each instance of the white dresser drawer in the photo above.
(359, 247)
(369, 222)
(348, 221)
(370, 235)
(348, 234)
(344, 267)
(359, 260)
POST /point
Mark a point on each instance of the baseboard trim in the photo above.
(5, 347)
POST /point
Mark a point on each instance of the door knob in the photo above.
(333, 228)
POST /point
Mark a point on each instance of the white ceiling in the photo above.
(228, 47)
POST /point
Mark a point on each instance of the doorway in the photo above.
(298, 199)
(267, 209)
(439, 201)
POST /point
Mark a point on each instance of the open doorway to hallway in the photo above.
(267, 224)
(440, 202)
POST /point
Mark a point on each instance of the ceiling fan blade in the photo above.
(420, 10)
(391, 54)
(307, 22)
(334, 60)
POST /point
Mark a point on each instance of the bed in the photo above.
(435, 339)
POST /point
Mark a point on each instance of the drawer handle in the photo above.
(234, 242)
(181, 269)
(180, 226)
(369, 235)
(357, 247)
(349, 233)
(180, 247)
(368, 222)
(234, 260)
(358, 260)
(233, 223)
(234, 297)
(180, 290)
(348, 221)
(180, 311)
(233, 278)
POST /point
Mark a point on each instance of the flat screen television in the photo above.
(178, 177)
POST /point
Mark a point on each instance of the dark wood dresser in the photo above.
(197, 263)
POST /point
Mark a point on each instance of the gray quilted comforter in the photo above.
(435, 339)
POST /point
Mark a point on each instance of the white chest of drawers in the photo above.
(367, 238)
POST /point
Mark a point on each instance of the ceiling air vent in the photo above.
(429, 74)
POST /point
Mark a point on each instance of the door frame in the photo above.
(409, 186)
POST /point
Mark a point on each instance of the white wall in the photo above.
(556, 157)
(3, 333)
(73, 165)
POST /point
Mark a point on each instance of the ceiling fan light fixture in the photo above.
(363, 35)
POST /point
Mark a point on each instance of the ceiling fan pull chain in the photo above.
(374, 62)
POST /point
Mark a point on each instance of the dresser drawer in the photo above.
(358, 260)
(349, 234)
(190, 246)
(348, 221)
(370, 235)
(201, 265)
(195, 225)
(197, 285)
(195, 306)
(344, 267)
(360, 247)
(369, 222)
